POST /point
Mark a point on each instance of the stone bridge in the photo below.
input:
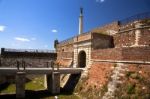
(52, 77)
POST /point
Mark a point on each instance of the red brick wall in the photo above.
(136, 53)
(124, 54)
(64, 55)
(65, 50)
(107, 54)
(145, 37)
(128, 38)
(99, 74)
(124, 39)
(68, 48)
(103, 29)
(101, 41)
(83, 37)
(64, 59)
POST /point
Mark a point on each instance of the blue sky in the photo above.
(35, 24)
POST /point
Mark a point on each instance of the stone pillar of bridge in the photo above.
(53, 83)
(20, 85)
(45, 81)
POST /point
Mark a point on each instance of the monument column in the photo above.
(81, 21)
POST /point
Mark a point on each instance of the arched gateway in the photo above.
(82, 59)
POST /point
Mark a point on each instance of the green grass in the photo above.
(10, 89)
(36, 84)
(131, 88)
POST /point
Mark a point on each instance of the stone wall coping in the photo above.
(133, 29)
(121, 61)
(67, 58)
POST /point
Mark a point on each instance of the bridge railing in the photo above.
(23, 64)
(137, 17)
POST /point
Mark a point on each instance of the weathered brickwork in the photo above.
(64, 62)
(109, 29)
(99, 74)
(92, 87)
(137, 76)
(124, 54)
(136, 54)
(145, 37)
(83, 37)
(127, 26)
(65, 48)
(128, 38)
(101, 41)
(107, 54)
(65, 53)
(62, 55)
(124, 39)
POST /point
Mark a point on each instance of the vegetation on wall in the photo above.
(136, 85)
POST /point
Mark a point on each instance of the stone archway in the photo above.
(82, 59)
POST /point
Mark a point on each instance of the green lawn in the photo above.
(11, 89)
(36, 84)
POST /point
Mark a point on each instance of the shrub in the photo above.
(131, 88)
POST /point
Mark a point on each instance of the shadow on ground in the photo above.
(4, 86)
(30, 94)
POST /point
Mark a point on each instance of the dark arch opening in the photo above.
(82, 59)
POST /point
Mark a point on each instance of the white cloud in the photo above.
(101, 1)
(54, 31)
(2, 28)
(22, 39)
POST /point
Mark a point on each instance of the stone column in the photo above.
(20, 85)
(81, 21)
(53, 83)
(137, 33)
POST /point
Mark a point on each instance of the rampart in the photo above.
(122, 54)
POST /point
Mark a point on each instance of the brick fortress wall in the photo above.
(130, 34)
(109, 29)
(122, 54)
(65, 53)
(131, 43)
